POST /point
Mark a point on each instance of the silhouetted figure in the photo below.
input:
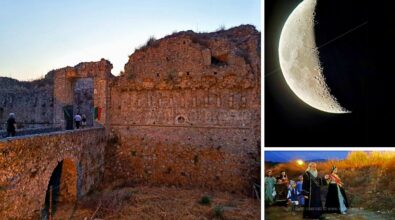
(83, 123)
(11, 125)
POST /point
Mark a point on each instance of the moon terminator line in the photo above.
(299, 61)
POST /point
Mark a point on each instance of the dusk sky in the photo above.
(38, 36)
(286, 156)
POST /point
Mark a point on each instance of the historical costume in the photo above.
(293, 195)
(299, 185)
(311, 189)
(269, 188)
(283, 177)
(336, 200)
(281, 193)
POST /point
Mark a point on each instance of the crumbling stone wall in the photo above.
(32, 102)
(186, 111)
(64, 87)
(27, 163)
(40, 103)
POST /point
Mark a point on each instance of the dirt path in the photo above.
(284, 213)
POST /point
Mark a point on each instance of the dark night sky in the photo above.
(356, 70)
(286, 156)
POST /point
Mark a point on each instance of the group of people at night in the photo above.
(306, 192)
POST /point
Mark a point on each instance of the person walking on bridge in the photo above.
(77, 120)
(11, 125)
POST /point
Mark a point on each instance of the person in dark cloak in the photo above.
(281, 193)
(311, 190)
(11, 125)
(336, 199)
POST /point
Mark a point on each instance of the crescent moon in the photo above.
(300, 63)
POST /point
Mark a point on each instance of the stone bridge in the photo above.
(69, 162)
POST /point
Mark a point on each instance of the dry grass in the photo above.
(151, 42)
(354, 160)
(358, 159)
(285, 213)
(144, 202)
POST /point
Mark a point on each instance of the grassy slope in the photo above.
(369, 178)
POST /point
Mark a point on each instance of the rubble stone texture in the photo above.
(27, 164)
(31, 102)
(185, 112)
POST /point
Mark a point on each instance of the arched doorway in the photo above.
(83, 99)
(61, 194)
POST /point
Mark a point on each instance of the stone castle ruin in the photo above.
(185, 112)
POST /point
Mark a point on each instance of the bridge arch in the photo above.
(62, 190)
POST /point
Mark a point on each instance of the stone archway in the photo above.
(65, 82)
(62, 189)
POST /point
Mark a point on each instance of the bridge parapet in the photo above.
(31, 131)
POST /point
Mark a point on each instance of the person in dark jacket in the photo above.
(11, 125)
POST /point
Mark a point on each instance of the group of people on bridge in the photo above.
(306, 192)
(80, 122)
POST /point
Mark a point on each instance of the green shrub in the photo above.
(218, 212)
(205, 200)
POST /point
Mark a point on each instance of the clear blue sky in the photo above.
(286, 156)
(41, 35)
